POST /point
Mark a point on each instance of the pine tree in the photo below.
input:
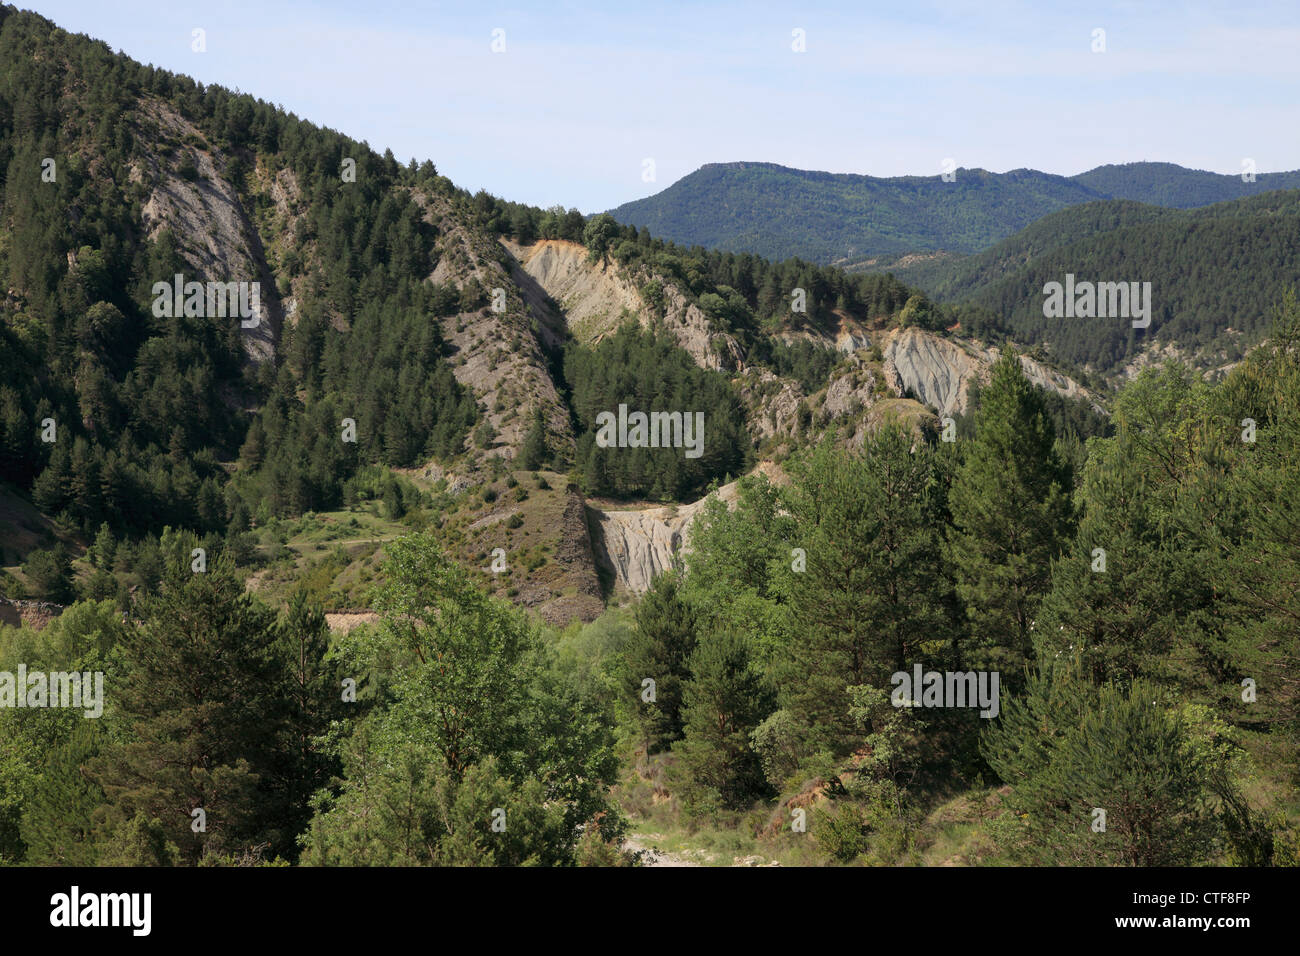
(660, 651)
(105, 547)
(724, 701)
(871, 600)
(1011, 516)
(532, 455)
(1132, 585)
(313, 698)
(205, 698)
(59, 823)
(1069, 749)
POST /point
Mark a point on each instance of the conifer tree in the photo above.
(205, 699)
(533, 453)
(724, 701)
(872, 594)
(1011, 516)
(660, 650)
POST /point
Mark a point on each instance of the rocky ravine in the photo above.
(636, 546)
(939, 371)
(596, 298)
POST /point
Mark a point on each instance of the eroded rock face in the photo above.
(773, 403)
(637, 546)
(597, 297)
(215, 235)
(496, 354)
(1048, 378)
(938, 371)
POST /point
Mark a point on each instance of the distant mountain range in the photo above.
(842, 218)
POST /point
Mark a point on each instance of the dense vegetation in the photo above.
(780, 213)
(146, 410)
(743, 294)
(647, 373)
(1166, 184)
(1154, 684)
(165, 423)
(1148, 679)
(233, 735)
(1132, 580)
(1214, 273)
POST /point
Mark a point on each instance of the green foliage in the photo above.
(1070, 748)
(1011, 514)
(468, 757)
(749, 206)
(146, 408)
(1203, 301)
(532, 454)
(725, 701)
(873, 598)
(599, 231)
(808, 364)
(203, 693)
(660, 648)
(50, 574)
(648, 373)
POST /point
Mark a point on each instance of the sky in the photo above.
(576, 97)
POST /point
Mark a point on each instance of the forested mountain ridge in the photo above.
(779, 212)
(1167, 184)
(346, 567)
(1215, 273)
(405, 331)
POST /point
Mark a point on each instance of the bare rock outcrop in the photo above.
(934, 370)
(638, 545)
(938, 371)
(34, 614)
(498, 354)
(597, 297)
(205, 215)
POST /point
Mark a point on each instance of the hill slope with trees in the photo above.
(779, 212)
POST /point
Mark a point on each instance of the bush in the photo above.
(50, 575)
(843, 835)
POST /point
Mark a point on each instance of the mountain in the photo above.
(412, 351)
(779, 212)
(309, 458)
(1167, 184)
(1216, 273)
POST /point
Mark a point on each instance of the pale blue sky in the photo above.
(584, 92)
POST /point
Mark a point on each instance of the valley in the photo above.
(406, 524)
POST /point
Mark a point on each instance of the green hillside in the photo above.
(780, 212)
(1215, 271)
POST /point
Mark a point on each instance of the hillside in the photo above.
(492, 334)
(394, 525)
(1216, 272)
(1166, 184)
(779, 212)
